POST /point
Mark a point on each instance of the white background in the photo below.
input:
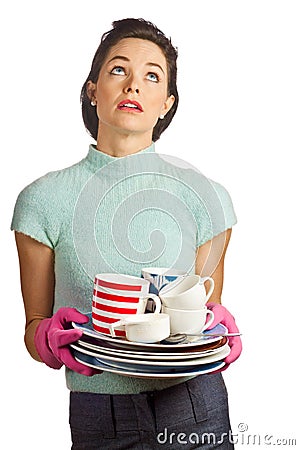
(238, 122)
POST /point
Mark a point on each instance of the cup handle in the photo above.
(156, 301)
(112, 326)
(210, 321)
(211, 287)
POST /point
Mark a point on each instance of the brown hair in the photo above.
(131, 28)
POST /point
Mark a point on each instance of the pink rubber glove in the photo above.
(53, 336)
(222, 315)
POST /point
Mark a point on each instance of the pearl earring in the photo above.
(93, 103)
(161, 116)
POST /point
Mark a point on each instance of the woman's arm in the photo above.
(37, 284)
(210, 262)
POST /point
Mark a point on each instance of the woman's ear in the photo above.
(90, 90)
(168, 105)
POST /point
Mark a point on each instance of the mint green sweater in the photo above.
(108, 214)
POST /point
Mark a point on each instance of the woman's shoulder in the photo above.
(44, 204)
(225, 204)
(221, 191)
(55, 182)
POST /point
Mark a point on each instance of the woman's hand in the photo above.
(210, 262)
(46, 337)
(53, 336)
(222, 315)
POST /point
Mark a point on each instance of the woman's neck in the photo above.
(119, 145)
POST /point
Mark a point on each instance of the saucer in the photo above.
(88, 330)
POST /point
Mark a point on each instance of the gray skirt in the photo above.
(190, 415)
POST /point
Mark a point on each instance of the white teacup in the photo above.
(188, 321)
(188, 293)
(145, 328)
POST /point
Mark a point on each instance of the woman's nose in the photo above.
(130, 89)
(131, 86)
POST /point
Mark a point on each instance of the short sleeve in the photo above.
(32, 214)
(227, 205)
(216, 213)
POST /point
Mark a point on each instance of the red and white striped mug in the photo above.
(117, 296)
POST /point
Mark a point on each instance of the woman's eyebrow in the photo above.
(124, 58)
(155, 65)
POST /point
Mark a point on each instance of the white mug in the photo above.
(145, 328)
(188, 293)
(188, 321)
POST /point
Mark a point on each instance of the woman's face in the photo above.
(132, 89)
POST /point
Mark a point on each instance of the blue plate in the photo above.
(146, 372)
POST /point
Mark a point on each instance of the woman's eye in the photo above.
(118, 71)
(152, 77)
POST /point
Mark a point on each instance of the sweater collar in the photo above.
(99, 159)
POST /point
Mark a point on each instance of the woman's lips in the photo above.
(130, 105)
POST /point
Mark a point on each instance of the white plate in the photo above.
(131, 364)
(87, 329)
(176, 373)
(156, 356)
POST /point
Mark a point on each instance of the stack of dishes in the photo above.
(160, 360)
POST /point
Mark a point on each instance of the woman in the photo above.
(128, 100)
